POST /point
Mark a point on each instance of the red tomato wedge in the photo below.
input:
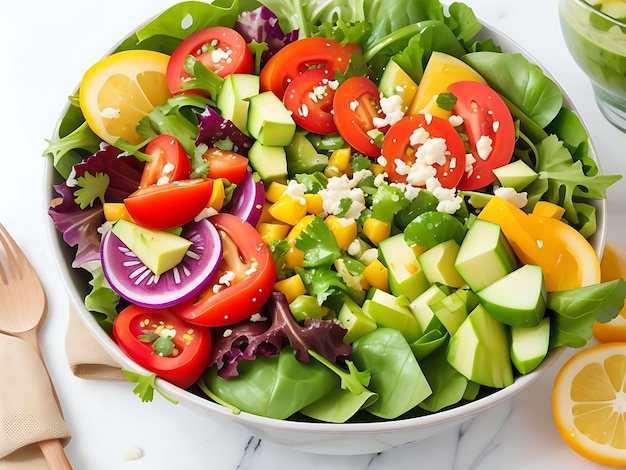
(244, 280)
(226, 164)
(219, 48)
(142, 333)
(170, 205)
(420, 145)
(168, 163)
(309, 97)
(301, 56)
(489, 127)
(356, 104)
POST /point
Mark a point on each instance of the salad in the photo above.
(321, 211)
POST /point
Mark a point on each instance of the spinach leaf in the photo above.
(521, 82)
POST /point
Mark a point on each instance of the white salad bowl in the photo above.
(315, 437)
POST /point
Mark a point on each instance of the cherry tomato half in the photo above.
(243, 283)
(226, 164)
(443, 149)
(489, 127)
(219, 48)
(180, 360)
(309, 97)
(356, 104)
(169, 162)
(165, 206)
(300, 56)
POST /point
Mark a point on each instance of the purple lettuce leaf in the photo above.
(80, 226)
(261, 25)
(249, 338)
(213, 128)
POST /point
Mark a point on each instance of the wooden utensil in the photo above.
(23, 308)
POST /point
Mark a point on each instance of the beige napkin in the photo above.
(28, 409)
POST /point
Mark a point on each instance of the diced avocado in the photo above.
(480, 350)
(270, 162)
(269, 121)
(357, 323)
(516, 175)
(406, 276)
(233, 98)
(529, 346)
(391, 311)
(470, 299)
(451, 312)
(395, 81)
(421, 308)
(159, 250)
(485, 255)
(306, 306)
(517, 299)
(438, 264)
(476, 198)
(302, 156)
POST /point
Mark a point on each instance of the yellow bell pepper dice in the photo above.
(288, 209)
(567, 259)
(376, 230)
(292, 287)
(272, 231)
(340, 160)
(274, 191)
(548, 209)
(314, 203)
(344, 230)
(114, 211)
(377, 275)
(218, 195)
(294, 258)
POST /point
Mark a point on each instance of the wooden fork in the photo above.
(23, 308)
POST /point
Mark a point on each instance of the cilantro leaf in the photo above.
(146, 385)
(92, 188)
(318, 244)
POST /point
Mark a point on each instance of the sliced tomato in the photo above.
(219, 48)
(300, 56)
(168, 163)
(165, 206)
(489, 127)
(163, 343)
(309, 97)
(243, 283)
(356, 104)
(226, 164)
(443, 151)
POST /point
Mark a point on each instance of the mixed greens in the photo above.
(295, 362)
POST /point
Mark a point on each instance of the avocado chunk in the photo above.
(406, 276)
(233, 98)
(480, 350)
(438, 264)
(269, 161)
(159, 250)
(422, 308)
(451, 311)
(357, 323)
(485, 255)
(517, 299)
(269, 121)
(390, 311)
(529, 346)
(516, 175)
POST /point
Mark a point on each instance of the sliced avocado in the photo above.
(406, 276)
(485, 255)
(529, 346)
(269, 121)
(269, 161)
(480, 350)
(451, 312)
(516, 175)
(438, 264)
(390, 311)
(421, 308)
(233, 98)
(159, 250)
(352, 317)
(517, 299)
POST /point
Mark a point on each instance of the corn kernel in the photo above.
(340, 159)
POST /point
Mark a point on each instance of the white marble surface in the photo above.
(46, 48)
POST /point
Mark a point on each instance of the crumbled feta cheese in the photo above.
(432, 151)
(369, 255)
(519, 200)
(296, 191)
(455, 120)
(418, 136)
(495, 126)
(353, 105)
(392, 109)
(110, 113)
(220, 54)
(449, 200)
(469, 163)
(483, 147)
(340, 188)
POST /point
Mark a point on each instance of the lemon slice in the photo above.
(612, 266)
(589, 403)
(119, 90)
